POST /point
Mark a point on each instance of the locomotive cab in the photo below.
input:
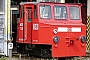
(51, 30)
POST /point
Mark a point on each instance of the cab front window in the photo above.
(45, 11)
(60, 12)
(75, 13)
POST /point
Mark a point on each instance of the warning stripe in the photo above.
(88, 33)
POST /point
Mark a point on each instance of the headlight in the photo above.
(56, 39)
(83, 39)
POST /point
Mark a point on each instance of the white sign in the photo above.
(66, 29)
(10, 45)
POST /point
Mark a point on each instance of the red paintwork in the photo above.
(44, 34)
(20, 28)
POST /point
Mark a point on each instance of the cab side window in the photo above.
(45, 11)
(22, 13)
(75, 13)
(35, 11)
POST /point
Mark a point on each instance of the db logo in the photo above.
(55, 31)
(69, 30)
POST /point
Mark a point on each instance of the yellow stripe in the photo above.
(8, 15)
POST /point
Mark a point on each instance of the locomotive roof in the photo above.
(22, 3)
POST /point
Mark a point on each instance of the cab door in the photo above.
(28, 25)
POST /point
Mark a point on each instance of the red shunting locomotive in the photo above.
(51, 30)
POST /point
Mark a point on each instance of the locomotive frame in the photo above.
(50, 36)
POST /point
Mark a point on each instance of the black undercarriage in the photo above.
(34, 50)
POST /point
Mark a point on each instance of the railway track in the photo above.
(27, 57)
